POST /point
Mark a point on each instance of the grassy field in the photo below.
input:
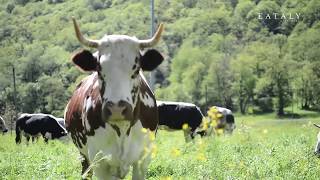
(262, 147)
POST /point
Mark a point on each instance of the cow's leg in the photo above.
(187, 135)
(103, 174)
(27, 138)
(139, 169)
(18, 136)
(85, 165)
(35, 138)
(45, 138)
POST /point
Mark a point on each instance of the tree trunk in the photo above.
(280, 99)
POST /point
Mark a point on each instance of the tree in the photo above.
(244, 79)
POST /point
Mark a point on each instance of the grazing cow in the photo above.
(112, 113)
(218, 119)
(61, 122)
(174, 115)
(226, 122)
(3, 126)
(317, 148)
(35, 125)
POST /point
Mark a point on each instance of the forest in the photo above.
(252, 56)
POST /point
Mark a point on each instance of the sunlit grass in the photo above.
(261, 147)
(39, 160)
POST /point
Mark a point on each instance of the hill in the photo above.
(248, 55)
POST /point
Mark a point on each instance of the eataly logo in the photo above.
(280, 16)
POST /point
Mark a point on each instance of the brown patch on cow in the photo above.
(148, 115)
(76, 110)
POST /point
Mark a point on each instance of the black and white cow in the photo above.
(61, 122)
(3, 126)
(174, 115)
(34, 125)
(227, 122)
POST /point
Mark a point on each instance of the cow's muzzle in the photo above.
(5, 130)
(119, 110)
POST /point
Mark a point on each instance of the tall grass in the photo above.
(262, 147)
(54, 160)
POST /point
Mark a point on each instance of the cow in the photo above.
(61, 122)
(226, 122)
(3, 126)
(317, 148)
(112, 113)
(178, 116)
(218, 120)
(35, 125)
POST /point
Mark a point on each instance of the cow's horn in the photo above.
(83, 40)
(316, 125)
(152, 41)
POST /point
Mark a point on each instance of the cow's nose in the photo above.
(122, 108)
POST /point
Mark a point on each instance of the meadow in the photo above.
(261, 147)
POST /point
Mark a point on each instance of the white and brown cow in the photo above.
(3, 126)
(112, 113)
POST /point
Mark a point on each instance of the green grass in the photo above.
(262, 147)
(38, 161)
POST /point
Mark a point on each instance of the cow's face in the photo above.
(58, 133)
(230, 124)
(118, 62)
(3, 127)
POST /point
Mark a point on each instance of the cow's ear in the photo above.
(150, 60)
(85, 61)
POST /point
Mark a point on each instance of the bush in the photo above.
(265, 104)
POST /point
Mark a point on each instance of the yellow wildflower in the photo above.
(265, 131)
(213, 109)
(213, 123)
(175, 152)
(152, 136)
(219, 131)
(205, 122)
(154, 151)
(205, 126)
(201, 157)
(211, 114)
(185, 126)
(144, 130)
(166, 178)
(219, 115)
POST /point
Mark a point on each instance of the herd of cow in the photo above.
(172, 116)
(113, 112)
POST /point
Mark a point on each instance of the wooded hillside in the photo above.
(233, 53)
